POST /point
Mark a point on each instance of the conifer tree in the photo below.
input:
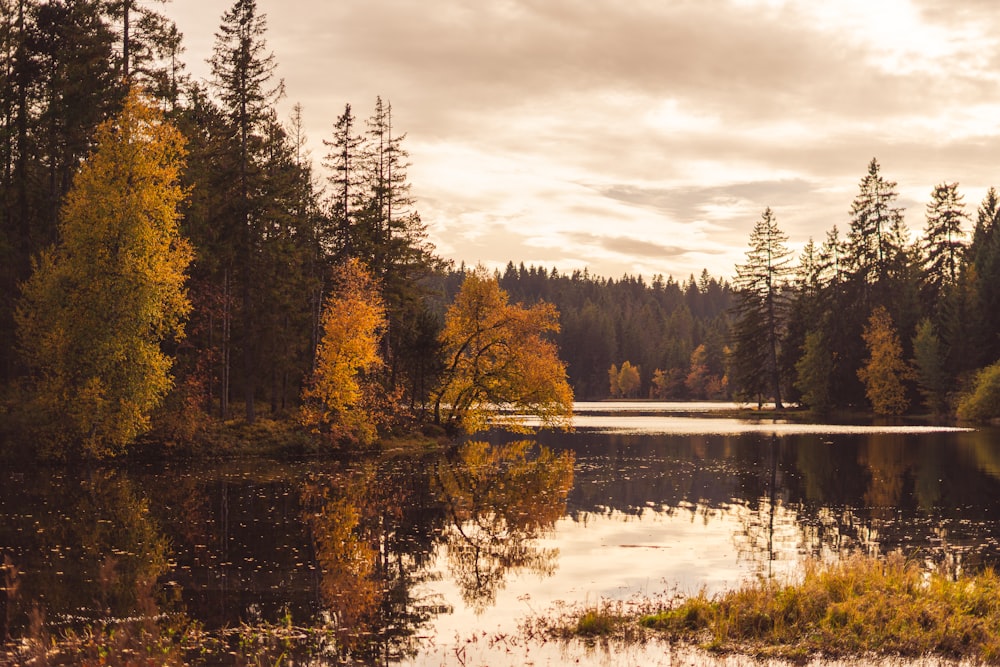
(148, 46)
(344, 160)
(979, 331)
(761, 306)
(875, 228)
(942, 244)
(243, 71)
(929, 366)
(814, 372)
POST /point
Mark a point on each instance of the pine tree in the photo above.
(979, 331)
(875, 228)
(814, 372)
(761, 305)
(243, 71)
(344, 161)
(942, 244)
(804, 311)
(929, 365)
(99, 304)
(149, 44)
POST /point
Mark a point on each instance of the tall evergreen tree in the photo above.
(873, 239)
(761, 305)
(243, 73)
(942, 244)
(148, 43)
(344, 160)
(979, 330)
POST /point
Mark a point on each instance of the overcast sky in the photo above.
(645, 136)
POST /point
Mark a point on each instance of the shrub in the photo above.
(983, 402)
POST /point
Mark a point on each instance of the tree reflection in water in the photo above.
(89, 563)
(373, 530)
(499, 500)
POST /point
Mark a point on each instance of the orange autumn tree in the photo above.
(499, 361)
(885, 370)
(100, 302)
(339, 399)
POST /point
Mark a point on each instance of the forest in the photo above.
(172, 259)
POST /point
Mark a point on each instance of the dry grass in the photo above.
(859, 606)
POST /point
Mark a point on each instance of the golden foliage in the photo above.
(500, 501)
(339, 398)
(349, 588)
(99, 303)
(885, 370)
(499, 360)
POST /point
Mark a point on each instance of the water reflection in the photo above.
(499, 500)
(384, 555)
(373, 528)
(85, 550)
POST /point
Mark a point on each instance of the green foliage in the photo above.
(942, 243)
(101, 302)
(983, 402)
(814, 371)
(929, 367)
(596, 623)
(761, 310)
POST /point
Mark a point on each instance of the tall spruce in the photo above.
(874, 232)
(981, 277)
(148, 45)
(344, 160)
(942, 244)
(243, 72)
(761, 300)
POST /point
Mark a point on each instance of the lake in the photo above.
(440, 558)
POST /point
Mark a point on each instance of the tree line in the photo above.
(169, 255)
(665, 332)
(878, 316)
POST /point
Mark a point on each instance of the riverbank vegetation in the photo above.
(857, 607)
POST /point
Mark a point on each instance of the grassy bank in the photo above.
(860, 606)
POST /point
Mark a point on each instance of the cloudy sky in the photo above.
(645, 136)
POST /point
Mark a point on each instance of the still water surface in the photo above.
(429, 560)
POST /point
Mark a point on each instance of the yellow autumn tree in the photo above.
(628, 379)
(885, 370)
(339, 399)
(99, 303)
(500, 363)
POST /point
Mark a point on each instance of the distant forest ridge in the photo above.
(660, 325)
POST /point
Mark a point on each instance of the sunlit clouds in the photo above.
(645, 137)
